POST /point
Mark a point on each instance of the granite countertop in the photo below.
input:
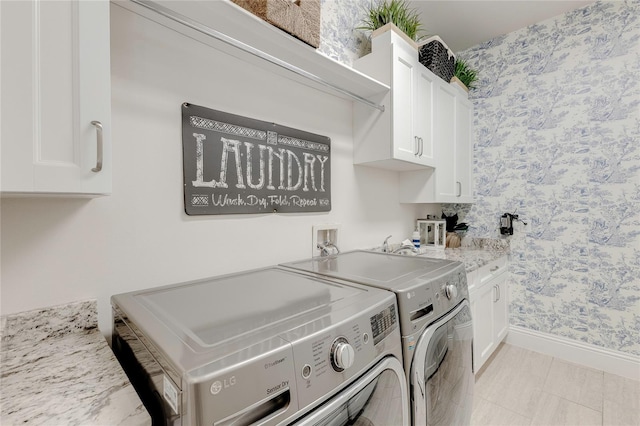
(57, 368)
(474, 253)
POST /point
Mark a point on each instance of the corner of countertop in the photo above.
(31, 327)
(500, 244)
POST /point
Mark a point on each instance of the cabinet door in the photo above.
(423, 115)
(55, 81)
(464, 150)
(405, 142)
(483, 337)
(446, 188)
(501, 307)
(454, 147)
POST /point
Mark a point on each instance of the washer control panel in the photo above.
(431, 296)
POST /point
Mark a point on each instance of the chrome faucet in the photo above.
(325, 248)
(404, 248)
(385, 245)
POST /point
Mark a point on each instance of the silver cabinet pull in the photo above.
(98, 126)
(421, 147)
(417, 145)
(459, 188)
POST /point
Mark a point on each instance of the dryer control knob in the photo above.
(451, 291)
(342, 354)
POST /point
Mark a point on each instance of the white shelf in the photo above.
(232, 21)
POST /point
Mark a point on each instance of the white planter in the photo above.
(459, 85)
(390, 34)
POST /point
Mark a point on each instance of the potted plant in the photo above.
(464, 75)
(393, 15)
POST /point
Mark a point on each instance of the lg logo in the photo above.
(218, 385)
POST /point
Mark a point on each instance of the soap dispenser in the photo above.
(415, 237)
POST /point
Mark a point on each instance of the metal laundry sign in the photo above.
(235, 164)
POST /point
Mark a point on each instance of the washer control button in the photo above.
(451, 291)
(342, 354)
(306, 371)
(365, 338)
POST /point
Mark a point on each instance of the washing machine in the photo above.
(263, 347)
(435, 322)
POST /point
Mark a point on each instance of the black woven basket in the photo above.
(435, 56)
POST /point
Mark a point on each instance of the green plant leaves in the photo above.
(465, 74)
(396, 12)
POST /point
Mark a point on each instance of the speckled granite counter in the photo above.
(474, 253)
(57, 369)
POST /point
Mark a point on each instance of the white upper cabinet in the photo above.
(56, 97)
(401, 137)
(425, 131)
(452, 179)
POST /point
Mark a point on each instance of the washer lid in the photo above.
(383, 270)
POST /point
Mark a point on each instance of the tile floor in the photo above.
(520, 387)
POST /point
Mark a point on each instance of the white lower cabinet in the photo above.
(56, 97)
(488, 293)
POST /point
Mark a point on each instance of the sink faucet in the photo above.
(326, 248)
(385, 245)
(406, 247)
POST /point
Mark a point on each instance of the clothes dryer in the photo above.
(435, 322)
(266, 347)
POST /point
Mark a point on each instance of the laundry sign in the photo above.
(235, 164)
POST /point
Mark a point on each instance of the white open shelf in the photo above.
(236, 23)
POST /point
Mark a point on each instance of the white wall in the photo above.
(59, 250)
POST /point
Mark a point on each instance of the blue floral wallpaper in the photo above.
(339, 38)
(557, 140)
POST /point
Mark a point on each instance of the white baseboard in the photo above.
(608, 360)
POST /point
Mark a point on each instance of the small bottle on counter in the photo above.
(415, 237)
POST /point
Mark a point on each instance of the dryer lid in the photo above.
(211, 312)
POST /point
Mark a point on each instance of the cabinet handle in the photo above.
(421, 147)
(459, 188)
(98, 126)
(417, 145)
(495, 294)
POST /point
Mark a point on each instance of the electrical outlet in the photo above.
(324, 233)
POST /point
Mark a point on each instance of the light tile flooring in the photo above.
(520, 387)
